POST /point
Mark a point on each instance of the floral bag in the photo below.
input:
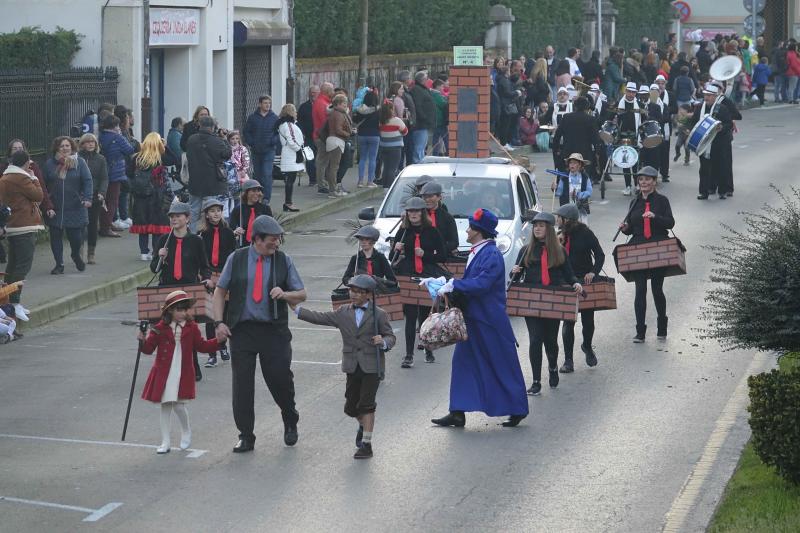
(443, 329)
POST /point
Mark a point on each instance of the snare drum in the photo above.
(608, 132)
(702, 135)
(625, 156)
(650, 131)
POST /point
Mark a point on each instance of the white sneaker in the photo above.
(145, 257)
(117, 225)
(626, 192)
(164, 448)
(509, 147)
(186, 440)
(128, 222)
(20, 312)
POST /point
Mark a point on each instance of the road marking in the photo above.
(60, 347)
(768, 139)
(790, 132)
(193, 453)
(94, 514)
(742, 146)
(687, 497)
(339, 362)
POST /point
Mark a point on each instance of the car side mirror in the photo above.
(528, 215)
(367, 214)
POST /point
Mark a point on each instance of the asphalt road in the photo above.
(609, 450)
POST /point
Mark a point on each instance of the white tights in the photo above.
(165, 422)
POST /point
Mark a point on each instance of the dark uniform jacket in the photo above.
(358, 265)
(430, 241)
(584, 251)
(241, 222)
(659, 224)
(577, 132)
(532, 274)
(194, 263)
(205, 154)
(227, 245)
(446, 225)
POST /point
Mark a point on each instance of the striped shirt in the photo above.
(392, 132)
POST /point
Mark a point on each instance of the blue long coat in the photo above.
(486, 375)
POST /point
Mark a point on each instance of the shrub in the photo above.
(754, 303)
(32, 48)
(775, 420)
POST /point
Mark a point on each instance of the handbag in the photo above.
(308, 153)
(443, 329)
(511, 109)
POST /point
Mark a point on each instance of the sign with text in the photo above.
(468, 56)
(174, 27)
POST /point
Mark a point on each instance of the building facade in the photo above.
(222, 54)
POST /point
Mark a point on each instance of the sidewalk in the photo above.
(119, 269)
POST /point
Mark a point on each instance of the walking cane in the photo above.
(240, 238)
(377, 348)
(161, 259)
(624, 220)
(142, 328)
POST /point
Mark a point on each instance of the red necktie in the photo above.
(568, 244)
(215, 248)
(369, 266)
(545, 269)
(177, 269)
(432, 215)
(417, 259)
(647, 232)
(249, 235)
(259, 280)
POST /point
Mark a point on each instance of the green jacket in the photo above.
(442, 113)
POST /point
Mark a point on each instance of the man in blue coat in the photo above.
(486, 375)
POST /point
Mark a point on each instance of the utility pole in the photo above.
(290, 81)
(600, 28)
(147, 109)
(362, 57)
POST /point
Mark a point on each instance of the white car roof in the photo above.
(491, 167)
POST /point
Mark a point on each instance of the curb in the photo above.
(66, 305)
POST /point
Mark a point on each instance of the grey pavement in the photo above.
(609, 450)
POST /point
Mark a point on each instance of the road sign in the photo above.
(761, 25)
(684, 11)
(471, 56)
(760, 5)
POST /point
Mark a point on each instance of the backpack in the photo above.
(142, 183)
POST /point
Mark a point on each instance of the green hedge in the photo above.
(32, 48)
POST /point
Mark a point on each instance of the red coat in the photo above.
(163, 338)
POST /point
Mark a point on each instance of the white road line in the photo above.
(768, 139)
(193, 453)
(687, 497)
(316, 362)
(742, 146)
(60, 347)
(94, 514)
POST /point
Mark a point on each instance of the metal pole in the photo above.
(362, 57)
(146, 109)
(754, 14)
(142, 328)
(600, 27)
(290, 81)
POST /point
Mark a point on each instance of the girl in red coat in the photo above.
(176, 336)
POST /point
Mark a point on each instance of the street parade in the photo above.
(523, 250)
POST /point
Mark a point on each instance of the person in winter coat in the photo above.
(170, 383)
(193, 126)
(792, 70)
(367, 260)
(90, 152)
(528, 128)
(613, 79)
(339, 129)
(425, 118)
(537, 89)
(761, 79)
(292, 159)
(115, 148)
(239, 168)
(174, 138)
(259, 135)
(206, 154)
(250, 207)
(507, 95)
(392, 130)
(71, 189)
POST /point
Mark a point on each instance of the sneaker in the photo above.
(128, 222)
(591, 357)
(333, 195)
(359, 436)
(224, 354)
(118, 226)
(145, 257)
(509, 147)
(341, 190)
(21, 313)
(360, 185)
(626, 191)
(535, 389)
(323, 190)
(553, 377)
(567, 368)
(408, 362)
(212, 361)
(372, 186)
(429, 358)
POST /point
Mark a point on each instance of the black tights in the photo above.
(568, 333)
(415, 314)
(542, 331)
(657, 287)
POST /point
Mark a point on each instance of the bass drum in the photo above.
(650, 131)
(625, 156)
(702, 135)
(608, 132)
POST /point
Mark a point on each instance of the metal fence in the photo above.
(39, 106)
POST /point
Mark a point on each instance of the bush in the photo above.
(775, 421)
(754, 303)
(32, 48)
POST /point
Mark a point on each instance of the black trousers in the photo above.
(663, 166)
(311, 166)
(708, 180)
(390, 155)
(75, 238)
(94, 222)
(542, 331)
(415, 315)
(627, 173)
(568, 333)
(657, 287)
(505, 127)
(716, 173)
(288, 190)
(650, 157)
(272, 345)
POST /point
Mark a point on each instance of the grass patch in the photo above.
(756, 498)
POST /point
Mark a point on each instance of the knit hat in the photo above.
(568, 211)
(363, 281)
(484, 220)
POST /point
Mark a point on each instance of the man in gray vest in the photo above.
(260, 281)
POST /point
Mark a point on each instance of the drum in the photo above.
(702, 135)
(625, 156)
(608, 132)
(650, 131)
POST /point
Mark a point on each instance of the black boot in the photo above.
(513, 421)
(453, 418)
(661, 334)
(591, 357)
(640, 331)
(567, 367)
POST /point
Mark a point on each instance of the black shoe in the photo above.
(359, 436)
(323, 190)
(244, 446)
(723, 197)
(640, 331)
(224, 354)
(79, 264)
(702, 197)
(513, 421)
(535, 389)
(364, 452)
(729, 194)
(408, 361)
(290, 209)
(665, 179)
(58, 269)
(591, 358)
(453, 418)
(567, 367)
(290, 434)
(607, 178)
(553, 377)
(661, 333)
(677, 156)
(429, 358)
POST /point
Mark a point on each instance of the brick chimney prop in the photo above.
(468, 131)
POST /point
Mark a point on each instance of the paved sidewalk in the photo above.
(120, 270)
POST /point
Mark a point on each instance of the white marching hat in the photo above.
(631, 86)
(710, 89)
(655, 87)
(594, 87)
(562, 90)
(644, 89)
(661, 77)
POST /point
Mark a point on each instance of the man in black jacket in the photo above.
(306, 124)
(509, 114)
(205, 155)
(426, 116)
(576, 132)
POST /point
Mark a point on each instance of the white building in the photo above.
(219, 53)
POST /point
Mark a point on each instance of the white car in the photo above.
(494, 183)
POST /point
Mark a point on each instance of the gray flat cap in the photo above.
(368, 232)
(363, 281)
(211, 202)
(180, 208)
(422, 180)
(569, 211)
(648, 171)
(250, 184)
(545, 217)
(415, 202)
(431, 188)
(266, 225)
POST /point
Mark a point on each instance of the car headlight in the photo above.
(503, 243)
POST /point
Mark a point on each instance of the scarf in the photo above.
(558, 111)
(65, 164)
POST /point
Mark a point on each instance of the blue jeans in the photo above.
(196, 205)
(262, 171)
(367, 155)
(122, 210)
(75, 238)
(419, 141)
(780, 88)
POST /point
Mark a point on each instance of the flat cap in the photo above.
(545, 217)
(422, 180)
(569, 211)
(266, 225)
(211, 202)
(415, 202)
(431, 188)
(648, 171)
(250, 184)
(179, 208)
(363, 281)
(368, 232)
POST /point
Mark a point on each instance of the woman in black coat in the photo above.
(649, 219)
(417, 252)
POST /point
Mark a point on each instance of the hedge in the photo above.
(32, 48)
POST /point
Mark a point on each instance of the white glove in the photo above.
(425, 281)
(447, 287)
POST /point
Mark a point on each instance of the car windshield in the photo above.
(461, 195)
